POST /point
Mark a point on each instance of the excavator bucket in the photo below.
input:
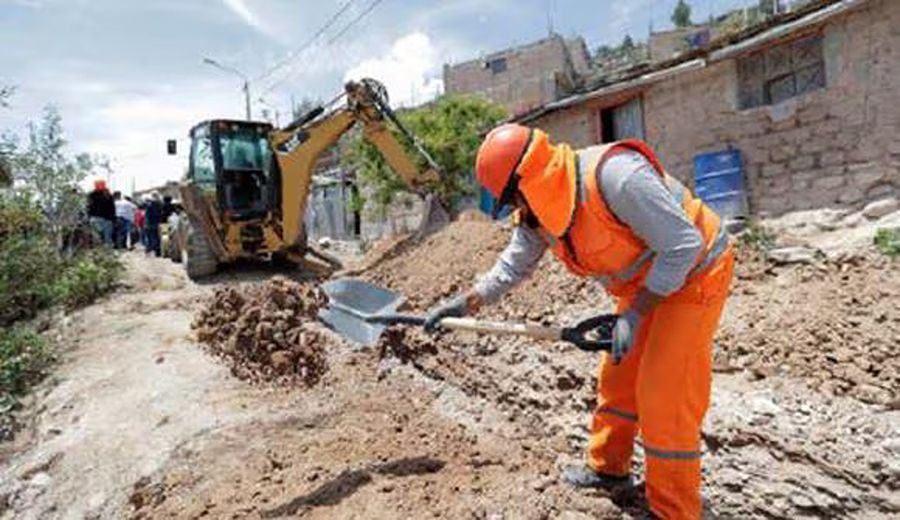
(434, 217)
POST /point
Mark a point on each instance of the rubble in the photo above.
(265, 332)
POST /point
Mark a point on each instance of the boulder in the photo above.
(879, 208)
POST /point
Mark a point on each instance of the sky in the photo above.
(128, 75)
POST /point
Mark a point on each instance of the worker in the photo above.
(612, 213)
(102, 212)
(152, 220)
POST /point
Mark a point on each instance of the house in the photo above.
(524, 77)
(810, 98)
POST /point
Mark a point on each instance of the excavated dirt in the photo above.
(835, 323)
(467, 426)
(265, 332)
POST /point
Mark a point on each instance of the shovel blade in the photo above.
(351, 302)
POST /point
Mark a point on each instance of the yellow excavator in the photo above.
(247, 184)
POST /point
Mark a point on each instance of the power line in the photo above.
(362, 15)
(372, 5)
(296, 52)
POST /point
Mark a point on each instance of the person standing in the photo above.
(102, 211)
(124, 220)
(612, 214)
(152, 221)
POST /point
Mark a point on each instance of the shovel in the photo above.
(361, 311)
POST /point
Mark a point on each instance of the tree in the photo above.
(450, 129)
(627, 43)
(681, 16)
(5, 168)
(49, 174)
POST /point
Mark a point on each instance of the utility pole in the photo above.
(246, 87)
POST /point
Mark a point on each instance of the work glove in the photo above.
(623, 334)
(454, 308)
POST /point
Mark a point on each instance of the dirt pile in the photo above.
(266, 332)
(834, 323)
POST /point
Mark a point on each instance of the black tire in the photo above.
(196, 255)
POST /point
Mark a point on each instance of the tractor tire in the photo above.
(196, 255)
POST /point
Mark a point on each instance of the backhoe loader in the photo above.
(247, 184)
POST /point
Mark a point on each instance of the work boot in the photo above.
(585, 477)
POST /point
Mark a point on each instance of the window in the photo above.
(782, 72)
(202, 162)
(244, 152)
(497, 65)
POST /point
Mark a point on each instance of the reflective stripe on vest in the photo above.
(679, 192)
(621, 414)
(672, 454)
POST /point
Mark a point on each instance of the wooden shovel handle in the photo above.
(500, 328)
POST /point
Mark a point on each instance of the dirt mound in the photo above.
(833, 323)
(266, 332)
(836, 324)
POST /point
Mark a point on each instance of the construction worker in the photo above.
(611, 213)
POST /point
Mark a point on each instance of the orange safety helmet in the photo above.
(498, 158)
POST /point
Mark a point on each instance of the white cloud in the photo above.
(411, 70)
(240, 8)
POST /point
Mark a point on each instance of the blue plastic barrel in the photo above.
(719, 182)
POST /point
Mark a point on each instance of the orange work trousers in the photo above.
(662, 388)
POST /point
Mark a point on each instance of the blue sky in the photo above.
(127, 75)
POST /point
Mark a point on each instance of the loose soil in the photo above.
(458, 425)
(265, 332)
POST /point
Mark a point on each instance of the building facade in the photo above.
(524, 77)
(812, 101)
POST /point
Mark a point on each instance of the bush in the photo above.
(29, 269)
(758, 237)
(888, 241)
(87, 277)
(24, 359)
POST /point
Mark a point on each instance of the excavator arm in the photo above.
(298, 146)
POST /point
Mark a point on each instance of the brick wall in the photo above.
(835, 147)
(529, 81)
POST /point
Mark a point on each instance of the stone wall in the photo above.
(835, 147)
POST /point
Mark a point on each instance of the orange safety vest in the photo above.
(581, 229)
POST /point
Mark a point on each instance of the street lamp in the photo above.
(216, 64)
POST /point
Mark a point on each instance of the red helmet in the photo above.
(497, 160)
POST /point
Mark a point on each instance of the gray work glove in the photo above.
(624, 333)
(454, 308)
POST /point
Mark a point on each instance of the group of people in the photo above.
(122, 223)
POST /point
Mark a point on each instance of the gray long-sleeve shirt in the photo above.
(637, 196)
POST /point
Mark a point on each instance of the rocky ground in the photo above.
(803, 421)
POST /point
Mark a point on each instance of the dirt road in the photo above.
(139, 421)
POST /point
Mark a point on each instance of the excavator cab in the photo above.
(232, 162)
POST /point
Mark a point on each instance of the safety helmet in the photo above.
(498, 158)
(99, 184)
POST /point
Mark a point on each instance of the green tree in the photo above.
(681, 16)
(769, 7)
(450, 129)
(627, 43)
(49, 173)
